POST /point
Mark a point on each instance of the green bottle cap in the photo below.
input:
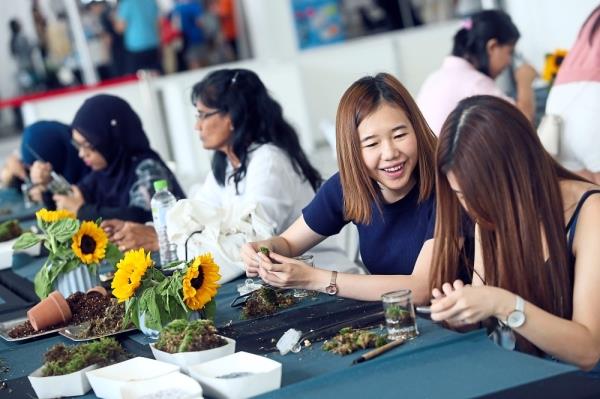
(160, 185)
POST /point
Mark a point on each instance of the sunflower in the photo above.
(200, 282)
(130, 271)
(89, 243)
(53, 216)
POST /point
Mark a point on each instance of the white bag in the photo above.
(549, 132)
(221, 231)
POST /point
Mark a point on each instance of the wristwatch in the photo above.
(516, 318)
(332, 288)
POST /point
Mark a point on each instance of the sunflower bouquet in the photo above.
(147, 291)
(70, 244)
(552, 64)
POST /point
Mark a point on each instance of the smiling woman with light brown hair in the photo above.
(385, 154)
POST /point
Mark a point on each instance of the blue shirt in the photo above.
(391, 243)
(141, 24)
(189, 15)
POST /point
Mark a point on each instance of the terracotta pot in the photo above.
(50, 311)
(99, 289)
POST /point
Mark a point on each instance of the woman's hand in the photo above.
(286, 273)
(249, 253)
(460, 304)
(130, 235)
(71, 202)
(40, 172)
(525, 74)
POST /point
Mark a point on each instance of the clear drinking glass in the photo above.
(399, 314)
(27, 203)
(309, 260)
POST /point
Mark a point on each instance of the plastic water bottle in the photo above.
(161, 202)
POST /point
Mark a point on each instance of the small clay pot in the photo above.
(50, 311)
(99, 289)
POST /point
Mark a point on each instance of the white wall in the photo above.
(547, 25)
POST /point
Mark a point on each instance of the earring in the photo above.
(231, 128)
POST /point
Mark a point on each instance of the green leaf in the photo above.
(132, 312)
(41, 282)
(64, 229)
(210, 310)
(113, 255)
(26, 240)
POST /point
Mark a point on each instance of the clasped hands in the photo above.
(130, 235)
(276, 270)
(459, 304)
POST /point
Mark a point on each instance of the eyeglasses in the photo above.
(202, 115)
(82, 146)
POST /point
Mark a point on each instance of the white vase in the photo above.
(148, 332)
(79, 279)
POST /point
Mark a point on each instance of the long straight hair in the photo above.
(359, 101)
(256, 118)
(510, 186)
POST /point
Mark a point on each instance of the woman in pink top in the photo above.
(575, 97)
(483, 48)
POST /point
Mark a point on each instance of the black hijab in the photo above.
(113, 128)
(51, 141)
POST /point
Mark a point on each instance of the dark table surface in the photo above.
(438, 363)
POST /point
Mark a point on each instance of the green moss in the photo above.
(62, 359)
(184, 336)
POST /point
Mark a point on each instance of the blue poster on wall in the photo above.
(318, 22)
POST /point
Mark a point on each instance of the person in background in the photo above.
(138, 21)
(257, 155)
(575, 97)
(114, 41)
(187, 15)
(483, 48)
(226, 12)
(111, 141)
(21, 50)
(385, 186)
(51, 141)
(534, 272)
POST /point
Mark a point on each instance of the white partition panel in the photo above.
(328, 71)
(420, 51)
(63, 107)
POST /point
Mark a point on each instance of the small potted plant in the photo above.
(50, 311)
(63, 372)
(186, 343)
(75, 252)
(152, 299)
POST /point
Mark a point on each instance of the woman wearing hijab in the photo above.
(46, 147)
(110, 139)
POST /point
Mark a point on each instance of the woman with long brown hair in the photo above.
(385, 155)
(535, 267)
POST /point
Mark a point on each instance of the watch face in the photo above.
(331, 290)
(515, 319)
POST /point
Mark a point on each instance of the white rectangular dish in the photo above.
(187, 359)
(108, 381)
(241, 375)
(73, 384)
